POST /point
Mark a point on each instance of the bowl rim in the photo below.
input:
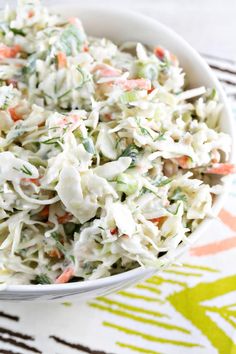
(218, 203)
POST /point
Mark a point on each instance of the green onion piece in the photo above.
(213, 94)
(59, 245)
(178, 195)
(51, 141)
(147, 71)
(89, 146)
(162, 182)
(126, 183)
(128, 97)
(71, 37)
(131, 151)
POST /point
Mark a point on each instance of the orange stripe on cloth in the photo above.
(228, 219)
(214, 248)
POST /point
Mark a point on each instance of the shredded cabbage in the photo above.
(106, 158)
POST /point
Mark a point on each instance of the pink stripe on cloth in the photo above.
(228, 219)
(214, 247)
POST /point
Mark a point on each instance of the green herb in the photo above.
(41, 279)
(177, 209)
(17, 31)
(59, 245)
(162, 182)
(131, 151)
(178, 195)
(64, 94)
(89, 146)
(83, 81)
(72, 258)
(118, 142)
(143, 130)
(25, 170)
(160, 137)
(30, 67)
(51, 141)
(147, 190)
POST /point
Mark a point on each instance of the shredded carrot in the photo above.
(61, 60)
(151, 89)
(55, 253)
(44, 212)
(15, 116)
(86, 48)
(65, 276)
(159, 220)
(127, 85)
(222, 169)
(9, 52)
(182, 161)
(106, 70)
(31, 13)
(32, 180)
(159, 52)
(114, 231)
(64, 218)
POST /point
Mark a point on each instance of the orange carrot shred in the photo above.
(44, 212)
(114, 231)
(64, 218)
(65, 276)
(55, 253)
(222, 169)
(9, 52)
(32, 180)
(30, 13)
(182, 161)
(15, 116)
(61, 60)
(159, 52)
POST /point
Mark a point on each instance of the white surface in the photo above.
(208, 25)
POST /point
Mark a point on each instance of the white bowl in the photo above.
(121, 26)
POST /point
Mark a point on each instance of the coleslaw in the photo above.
(107, 160)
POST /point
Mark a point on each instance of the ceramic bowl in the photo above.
(121, 26)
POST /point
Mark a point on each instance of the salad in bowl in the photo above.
(108, 160)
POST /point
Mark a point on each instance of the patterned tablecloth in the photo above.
(188, 309)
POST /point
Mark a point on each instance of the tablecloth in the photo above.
(188, 309)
